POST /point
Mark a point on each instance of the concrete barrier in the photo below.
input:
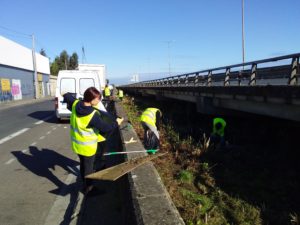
(151, 201)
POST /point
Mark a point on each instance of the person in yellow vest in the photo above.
(106, 92)
(120, 94)
(87, 130)
(151, 120)
(218, 133)
(107, 99)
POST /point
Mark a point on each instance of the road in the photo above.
(37, 166)
(38, 173)
(24, 116)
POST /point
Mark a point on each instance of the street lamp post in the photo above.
(169, 56)
(243, 33)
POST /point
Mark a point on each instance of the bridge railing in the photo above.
(245, 74)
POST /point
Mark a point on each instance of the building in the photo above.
(17, 72)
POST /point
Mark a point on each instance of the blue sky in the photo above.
(132, 36)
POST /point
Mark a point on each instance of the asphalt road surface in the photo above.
(38, 173)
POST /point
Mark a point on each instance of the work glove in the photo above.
(119, 120)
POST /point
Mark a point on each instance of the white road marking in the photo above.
(42, 137)
(9, 161)
(62, 202)
(42, 121)
(9, 137)
(49, 132)
(33, 144)
(25, 150)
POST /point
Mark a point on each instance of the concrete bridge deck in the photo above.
(271, 91)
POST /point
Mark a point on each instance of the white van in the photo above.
(74, 81)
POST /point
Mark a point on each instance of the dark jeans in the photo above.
(99, 162)
(86, 167)
(216, 139)
(145, 131)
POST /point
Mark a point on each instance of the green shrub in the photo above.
(186, 177)
(203, 202)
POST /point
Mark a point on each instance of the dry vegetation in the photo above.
(197, 177)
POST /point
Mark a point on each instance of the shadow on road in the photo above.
(41, 115)
(41, 162)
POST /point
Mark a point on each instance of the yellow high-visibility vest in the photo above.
(149, 116)
(120, 94)
(84, 140)
(106, 92)
(220, 131)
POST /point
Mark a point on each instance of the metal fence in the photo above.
(283, 70)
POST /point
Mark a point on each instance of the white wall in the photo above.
(16, 55)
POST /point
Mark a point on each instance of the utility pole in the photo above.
(66, 64)
(83, 55)
(243, 35)
(35, 80)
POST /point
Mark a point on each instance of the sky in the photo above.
(157, 37)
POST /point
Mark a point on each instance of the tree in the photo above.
(73, 61)
(54, 67)
(64, 62)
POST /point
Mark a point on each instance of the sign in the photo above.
(40, 77)
(16, 89)
(5, 85)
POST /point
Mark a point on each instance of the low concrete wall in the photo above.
(151, 201)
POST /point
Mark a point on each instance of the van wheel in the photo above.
(58, 120)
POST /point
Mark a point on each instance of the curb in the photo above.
(152, 203)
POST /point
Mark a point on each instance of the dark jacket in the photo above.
(105, 123)
(158, 120)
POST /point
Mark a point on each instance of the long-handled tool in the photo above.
(114, 172)
(129, 152)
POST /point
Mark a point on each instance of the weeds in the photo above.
(294, 219)
(186, 177)
(205, 184)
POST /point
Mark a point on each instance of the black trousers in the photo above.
(86, 167)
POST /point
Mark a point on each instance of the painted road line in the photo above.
(42, 137)
(33, 144)
(9, 161)
(64, 202)
(43, 120)
(9, 137)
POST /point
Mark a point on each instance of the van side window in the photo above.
(67, 85)
(85, 83)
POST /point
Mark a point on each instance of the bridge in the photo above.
(267, 87)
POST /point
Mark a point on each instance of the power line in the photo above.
(17, 32)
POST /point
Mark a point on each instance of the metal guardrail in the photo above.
(235, 75)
